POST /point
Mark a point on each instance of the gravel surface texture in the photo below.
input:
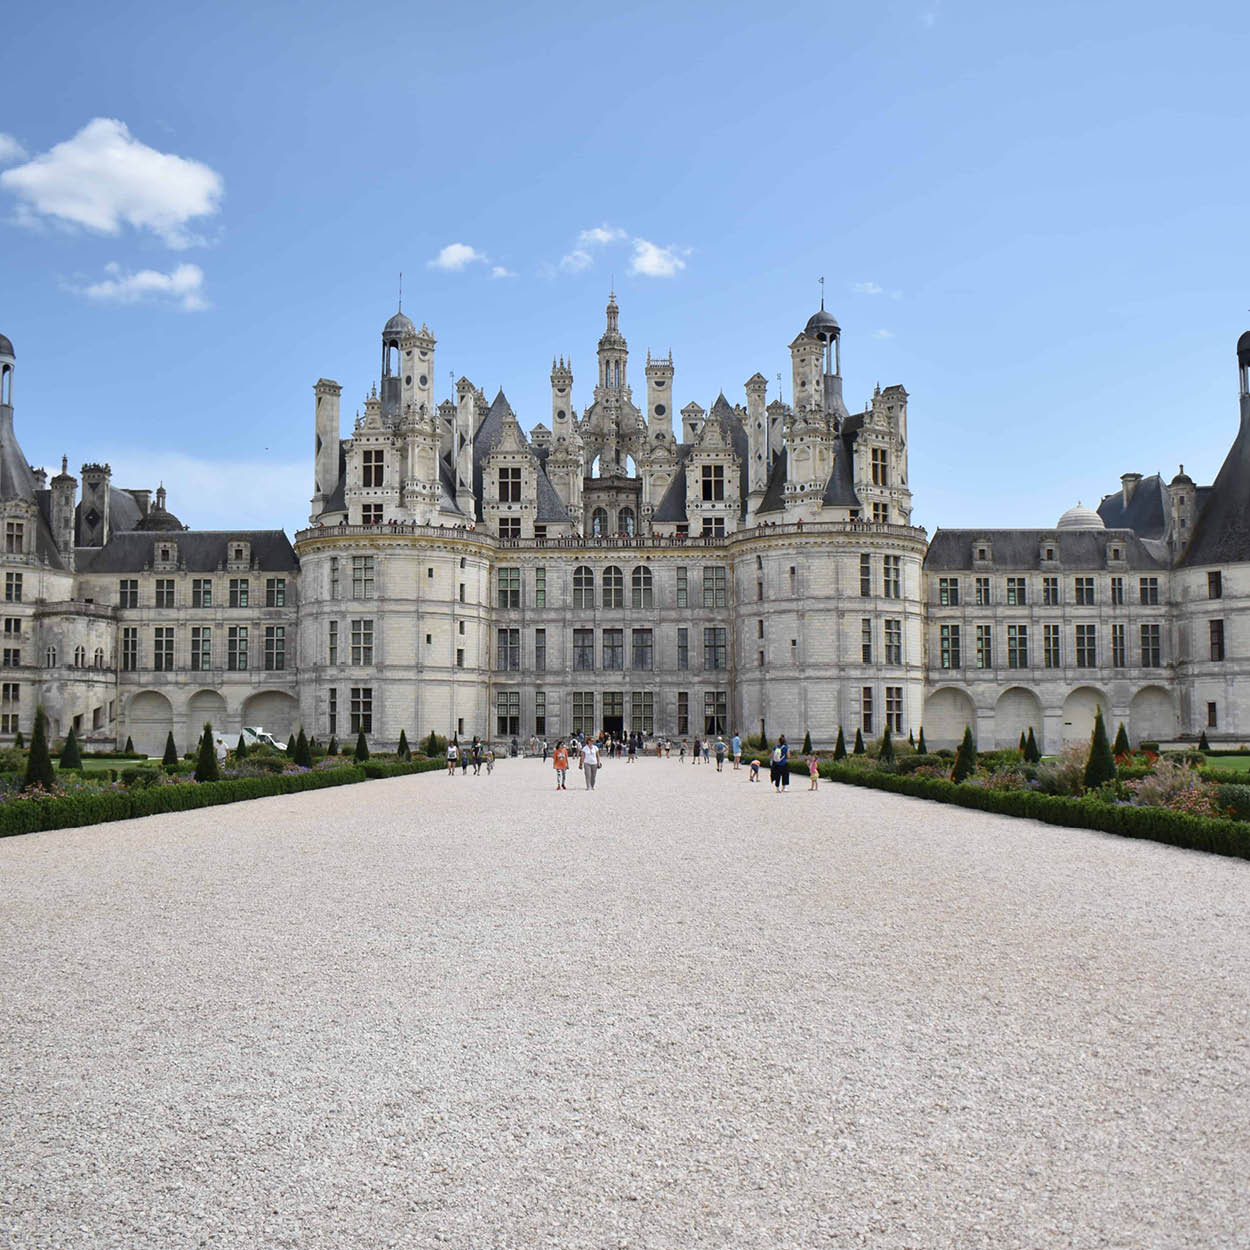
(682, 1011)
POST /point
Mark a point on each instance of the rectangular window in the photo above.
(1148, 589)
(362, 641)
(163, 648)
(865, 640)
(540, 650)
(894, 709)
(893, 641)
(583, 712)
(335, 588)
(540, 587)
(164, 592)
(461, 592)
(130, 649)
(460, 657)
(614, 648)
(362, 709)
(1215, 585)
(715, 711)
(713, 482)
(128, 592)
(1051, 655)
(1217, 639)
(202, 592)
(1050, 592)
(1017, 646)
(714, 648)
(373, 466)
(333, 648)
(583, 650)
(275, 648)
(1086, 646)
(892, 580)
(10, 692)
(1117, 591)
(948, 591)
(1084, 587)
(540, 711)
(333, 711)
(12, 588)
(683, 711)
(683, 647)
(201, 647)
(714, 586)
(362, 577)
(371, 514)
(508, 710)
(880, 467)
(1212, 716)
(981, 586)
(865, 710)
(13, 626)
(508, 653)
(275, 592)
(510, 527)
(713, 527)
(683, 596)
(238, 592)
(12, 657)
(1017, 592)
(1151, 646)
(642, 712)
(949, 639)
(509, 587)
(865, 576)
(643, 648)
(583, 587)
(510, 485)
(14, 532)
(985, 646)
(880, 512)
(1119, 656)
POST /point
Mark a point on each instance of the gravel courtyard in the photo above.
(682, 1011)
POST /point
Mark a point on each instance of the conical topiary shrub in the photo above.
(886, 754)
(859, 743)
(290, 745)
(921, 748)
(20, 741)
(39, 761)
(1100, 767)
(333, 748)
(170, 758)
(1023, 743)
(303, 756)
(1121, 746)
(206, 760)
(240, 752)
(129, 748)
(807, 743)
(965, 758)
(1203, 744)
(1032, 752)
(402, 750)
(911, 739)
(71, 756)
(839, 751)
(362, 748)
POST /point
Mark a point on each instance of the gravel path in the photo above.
(682, 1011)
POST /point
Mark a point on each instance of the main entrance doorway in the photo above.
(614, 713)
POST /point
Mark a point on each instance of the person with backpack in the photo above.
(781, 765)
(720, 754)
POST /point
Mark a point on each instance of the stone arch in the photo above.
(627, 522)
(149, 721)
(1079, 709)
(1151, 716)
(947, 713)
(274, 711)
(1017, 711)
(205, 706)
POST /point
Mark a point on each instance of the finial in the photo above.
(401, 290)
(822, 294)
(64, 464)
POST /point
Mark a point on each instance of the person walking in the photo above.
(560, 761)
(590, 764)
(707, 748)
(633, 751)
(544, 750)
(452, 752)
(781, 765)
(681, 755)
(477, 759)
(697, 752)
(720, 755)
(490, 760)
(735, 749)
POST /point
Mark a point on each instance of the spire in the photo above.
(401, 291)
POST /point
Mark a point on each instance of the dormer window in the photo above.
(981, 553)
(165, 553)
(713, 482)
(510, 485)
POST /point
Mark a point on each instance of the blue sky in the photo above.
(1034, 218)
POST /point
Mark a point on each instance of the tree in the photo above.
(911, 739)
(859, 743)
(1032, 752)
(1203, 744)
(1121, 746)
(965, 758)
(886, 754)
(402, 750)
(39, 761)
(129, 748)
(290, 745)
(807, 743)
(1023, 744)
(921, 748)
(839, 751)
(434, 745)
(333, 748)
(206, 760)
(170, 758)
(1100, 767)
(240, 752)
(20, 740)
(303, 756)
(362, 748)
(71, 756)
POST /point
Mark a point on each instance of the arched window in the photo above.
(80, 657)
(583, 587)
(599, 522)
(643, 595)
(51, 657)
(613, 587)
(99, 657)
(6, 384)
(625, 521)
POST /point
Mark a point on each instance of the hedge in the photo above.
(1154, 824)
(376, 769)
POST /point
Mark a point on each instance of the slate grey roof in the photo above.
(775, 489)
(1222, 532)
(16, 479)
(483, 439)
(6, 346)
(550, 508)
(199, 551)
(672, 506)
(338, 498)
(1021, 549)
(1146, 513)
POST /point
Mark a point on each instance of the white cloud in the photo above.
(883, 334)
(455, 256)
(652, 261)
(500, 271)
(867, 288)
(184, 285)
(600, 236)
(582, 255)
(10, 150)
(103, 179)
(576, 261)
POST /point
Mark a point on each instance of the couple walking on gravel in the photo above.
(588, 760)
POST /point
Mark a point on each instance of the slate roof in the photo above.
(1222, 532)
(775, 488)
(1146, 513)
(1021, 549)
(483, 439)
(199, 551)
(672, 505)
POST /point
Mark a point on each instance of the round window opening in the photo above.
(659, 384)
(423, 379)
(424, 355)
(803, 382)
(660, 410)
(408, 380)
(560, 414)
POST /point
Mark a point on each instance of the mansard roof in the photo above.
(199, 551)
(951, 550)
(1222, 532)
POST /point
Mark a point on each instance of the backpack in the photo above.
(776, 755)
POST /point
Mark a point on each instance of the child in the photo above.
(814, 773)
(755, 771)
(560, 761)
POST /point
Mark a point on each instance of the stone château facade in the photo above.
(759, 572)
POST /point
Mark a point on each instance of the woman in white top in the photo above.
(590, 764)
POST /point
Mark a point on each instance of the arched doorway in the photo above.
(273, 711)
(205, 707)
(1079, 709)
(947, 713)
(1151, 716)
(1016, 712)
(149, 720)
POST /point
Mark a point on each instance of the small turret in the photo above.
(64, 496)
(659, 397)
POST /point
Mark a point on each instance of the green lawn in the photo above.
(96, 766)
(1230, 763)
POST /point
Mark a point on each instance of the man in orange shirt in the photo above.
(560, 758)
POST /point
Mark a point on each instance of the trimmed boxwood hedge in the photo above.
(91, 807)
(375, 769)
(1154, 824)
